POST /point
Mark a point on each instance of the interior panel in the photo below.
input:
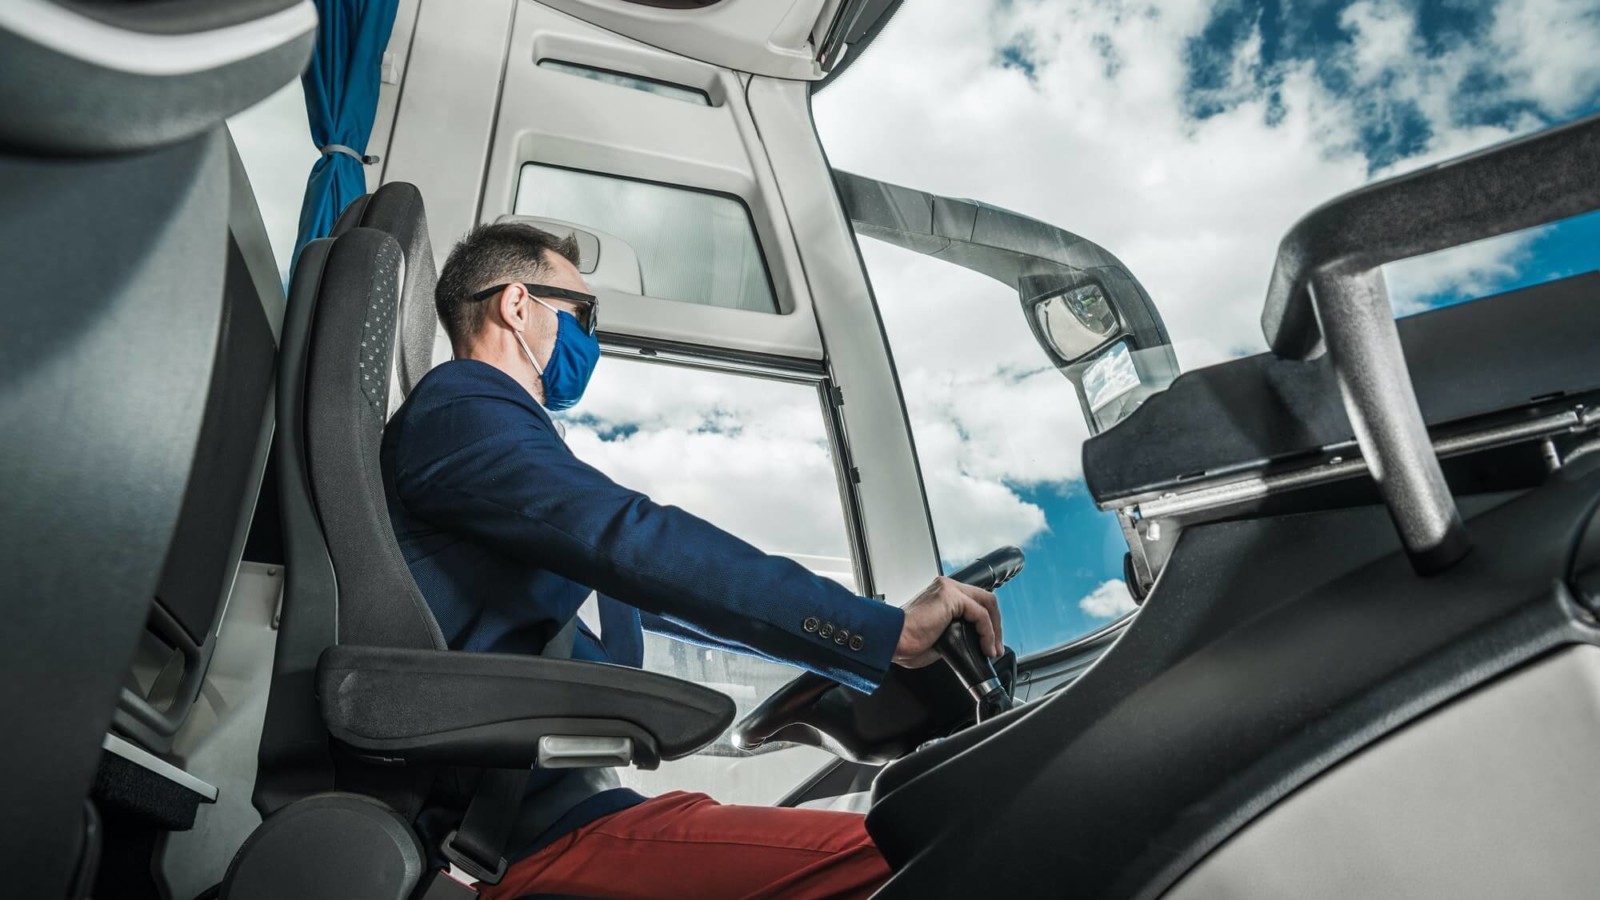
(1492, 796)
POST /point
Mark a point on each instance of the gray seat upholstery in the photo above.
(346, 403)
(365, 274)
(89, 77)
(345, 579)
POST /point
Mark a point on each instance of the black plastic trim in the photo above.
(836, 778)
(856, 38)
(1270, 650)
(99, 424)
(329, 845)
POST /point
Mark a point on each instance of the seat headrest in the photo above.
(95, 77)
(396, 210)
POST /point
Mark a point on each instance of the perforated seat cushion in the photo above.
(396, 209)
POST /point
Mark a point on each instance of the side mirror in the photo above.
(1101, 330)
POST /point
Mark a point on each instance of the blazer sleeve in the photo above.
(667, 626)
(622, 634)
(490, 470)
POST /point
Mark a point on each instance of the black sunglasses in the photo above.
(588, 314)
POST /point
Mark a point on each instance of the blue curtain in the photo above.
(341, 87)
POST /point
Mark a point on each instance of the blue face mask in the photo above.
(572, 361)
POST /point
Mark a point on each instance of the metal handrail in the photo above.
(1327, 294)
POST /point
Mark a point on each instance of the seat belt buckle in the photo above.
(450, 886)
(447, 885)
(464, 861)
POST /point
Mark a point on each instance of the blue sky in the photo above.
(1186, 137)
(1081, 551)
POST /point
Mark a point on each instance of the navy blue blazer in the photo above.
(506, 532)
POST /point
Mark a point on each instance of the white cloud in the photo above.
(1099, 141)
(751, 456)
(1194, 207)
(1476, 269)
(1108, 601)
(1547, 50)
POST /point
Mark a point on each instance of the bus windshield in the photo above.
(1185, 139)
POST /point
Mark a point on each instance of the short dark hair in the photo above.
(487, 256)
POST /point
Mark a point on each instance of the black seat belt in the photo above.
(478, 845)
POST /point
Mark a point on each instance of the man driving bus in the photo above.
(507, 533)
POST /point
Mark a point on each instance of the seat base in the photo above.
(331, 846)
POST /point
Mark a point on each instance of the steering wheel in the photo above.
(889, 723)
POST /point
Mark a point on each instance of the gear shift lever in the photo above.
(959, 647)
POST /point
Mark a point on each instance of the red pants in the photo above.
(690, 846)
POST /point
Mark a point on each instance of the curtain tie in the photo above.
(340, 148)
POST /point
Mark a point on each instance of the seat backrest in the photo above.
(396, 209)
(350, 353)
(346, 581)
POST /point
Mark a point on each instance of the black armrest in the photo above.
(491, 709)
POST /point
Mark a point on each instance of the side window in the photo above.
(752, 456)
(693, 246)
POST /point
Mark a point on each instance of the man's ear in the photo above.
(512, 303)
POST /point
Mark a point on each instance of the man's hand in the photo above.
(932, 611)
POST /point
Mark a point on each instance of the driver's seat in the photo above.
(368, 706)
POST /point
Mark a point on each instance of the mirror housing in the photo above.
(1089, 314)
(1100, 328)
